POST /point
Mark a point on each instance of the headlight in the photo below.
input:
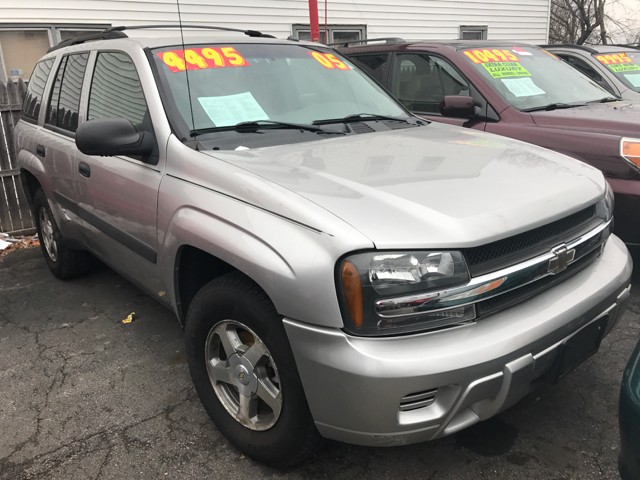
(604, 208)
(630, 151)
(367, 279)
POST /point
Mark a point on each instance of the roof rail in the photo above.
(386, 40)
(586, 48)
(117, 32)
(102, 35)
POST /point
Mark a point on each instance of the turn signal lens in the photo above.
(630, 151)
(352, 289)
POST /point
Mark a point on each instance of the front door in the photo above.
(118, 196)
(420, 81)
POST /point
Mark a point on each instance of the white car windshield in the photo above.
(266, 85)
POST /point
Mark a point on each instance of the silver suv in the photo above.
(342, 268)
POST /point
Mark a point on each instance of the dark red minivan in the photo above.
(519, 91)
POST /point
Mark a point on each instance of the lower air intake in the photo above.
(413, 401)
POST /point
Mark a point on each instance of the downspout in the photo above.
(548, 21)
(313, 20)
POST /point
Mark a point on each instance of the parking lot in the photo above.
(83, 395)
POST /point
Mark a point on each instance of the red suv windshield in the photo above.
(530, 78)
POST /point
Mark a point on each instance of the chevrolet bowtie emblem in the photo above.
(562, 258)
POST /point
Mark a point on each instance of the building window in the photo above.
(473, 32)
(21, 46)
(337, 33)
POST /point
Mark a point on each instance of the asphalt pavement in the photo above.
(84, 396)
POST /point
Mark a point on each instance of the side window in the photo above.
(422, 81)
(375, 65)
(64, 104)
(586, 69)
(37, 82)
(116, 91)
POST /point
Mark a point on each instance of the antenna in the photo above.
(186, 75)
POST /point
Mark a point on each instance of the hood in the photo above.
(617, 118)
(425, 187)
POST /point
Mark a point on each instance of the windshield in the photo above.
(530, 78)
(624, 65)
(273, 88)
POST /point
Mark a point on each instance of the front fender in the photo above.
(292, 263)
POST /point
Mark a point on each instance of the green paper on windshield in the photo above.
(506, 69)
(231, 109)
(624, 67)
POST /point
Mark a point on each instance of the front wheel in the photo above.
(244, 372)
(62, 261)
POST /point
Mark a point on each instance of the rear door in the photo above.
(118, 196)
(56, 140)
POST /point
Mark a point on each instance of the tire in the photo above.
(63, 262)
(245, 374)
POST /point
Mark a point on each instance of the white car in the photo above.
(342, 268)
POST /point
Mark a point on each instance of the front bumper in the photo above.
(406, 389)
(627, 203)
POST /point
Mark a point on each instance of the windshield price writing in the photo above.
(330, 61)
(201, 58)
(613, 59)
(495, 55)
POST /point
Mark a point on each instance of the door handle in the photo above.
(84, 169)
(40, 150)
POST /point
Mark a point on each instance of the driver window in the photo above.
(422, 81)
(116, 91)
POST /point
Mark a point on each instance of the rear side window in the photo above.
(64, 104)
(116, 91)
(37, 82)
(586, 69)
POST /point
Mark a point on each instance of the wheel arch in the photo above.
(30, 185)
(194, 269)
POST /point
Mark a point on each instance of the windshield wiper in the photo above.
(553, 106)
(255, 125)
(358, 117)
(605, 100)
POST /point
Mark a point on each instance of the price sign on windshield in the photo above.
(491, 55)
(201, 58)
(614, 58)
(618, 62)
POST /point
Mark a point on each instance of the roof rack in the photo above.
(386, 40)
(117, 32)
(586, 48)
(103, 35)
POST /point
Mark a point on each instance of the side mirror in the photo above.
(113, 136)
(458, 106)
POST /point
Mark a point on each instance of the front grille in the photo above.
(495, 304)
(413, 401)
(521, 247)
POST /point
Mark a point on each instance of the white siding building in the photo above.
(29, 27)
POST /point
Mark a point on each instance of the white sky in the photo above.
(627, 12)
